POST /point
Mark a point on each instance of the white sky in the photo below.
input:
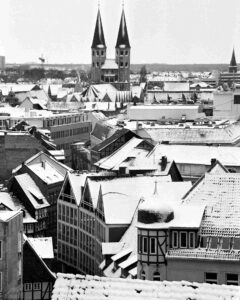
(163, 31)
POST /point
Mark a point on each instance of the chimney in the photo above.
(43, 164)
(163, 163)
(213, 161)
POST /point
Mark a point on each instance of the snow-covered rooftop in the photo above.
(69, 286)
(43, 246)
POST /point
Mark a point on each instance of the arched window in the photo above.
(143, 275)
(156, 276)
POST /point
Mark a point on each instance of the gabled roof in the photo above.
(111, 139)
(45, 167)
(31, 190)
(43, 246)
(98, 38)
(220, 193)
(110, 64)
(102, 131)
(69, 286)
(122, 39)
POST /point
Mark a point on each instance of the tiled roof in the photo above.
(220, 194)
(227, 135)
(204, 253)
(69, 287)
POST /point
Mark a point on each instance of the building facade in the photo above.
(115, 71)
(11, 231)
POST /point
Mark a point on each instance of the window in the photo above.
(97, 53)
(143, 275)
(153, 246)
(102, 53)
(121, 52)
(144, 245)
(232, 279)
(0, 281)
(126, 52)
(27, 286)
(37, 285)
(1, 246)
(126, 64)
(211, 278)
(121, 64)
(191, 239)
(156, 276)
(183, 239)
(236, 99)
(175, 239)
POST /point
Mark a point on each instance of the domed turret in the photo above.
(154, 210)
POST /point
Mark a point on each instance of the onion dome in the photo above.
(154, 210)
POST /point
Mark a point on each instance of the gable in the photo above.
(86, 201)
(34, 269)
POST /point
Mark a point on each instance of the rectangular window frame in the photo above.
(154, 248)
(181, 233)
(210, 280)
(144, 245)
(191, 237)
(175, 234)
(27, 286)
(37, 286)
(232, 281)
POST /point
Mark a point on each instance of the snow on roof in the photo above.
(43, 246)
(131, 260)
(45, 167)
(185, 216)
(176, 86)
(116, 158)
(220, 194)
(119, 208)
(121, 254)
(77, 181)
(32, 191)
(199, 155)
(109, 64)
(111, 248)
(225, 135)
(5, 216)
(69, 286)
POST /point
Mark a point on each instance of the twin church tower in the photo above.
(115, 71)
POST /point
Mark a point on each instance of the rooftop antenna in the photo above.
(122, 4)
(98, 4)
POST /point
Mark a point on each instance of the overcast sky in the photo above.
(163, 31)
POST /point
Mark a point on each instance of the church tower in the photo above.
(123, 49)
(98, 50)
(233, 64)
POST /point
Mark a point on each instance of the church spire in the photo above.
(122, 38)
(233, 63)
(98, 38)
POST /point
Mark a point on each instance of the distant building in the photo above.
(233, 75)
(2, 63)
(11, 262)
(115, 71)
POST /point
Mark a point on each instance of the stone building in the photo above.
(115, 71)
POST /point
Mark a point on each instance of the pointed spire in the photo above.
(98, 38)
(233, 60)
(122, 38)
(233, 63)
